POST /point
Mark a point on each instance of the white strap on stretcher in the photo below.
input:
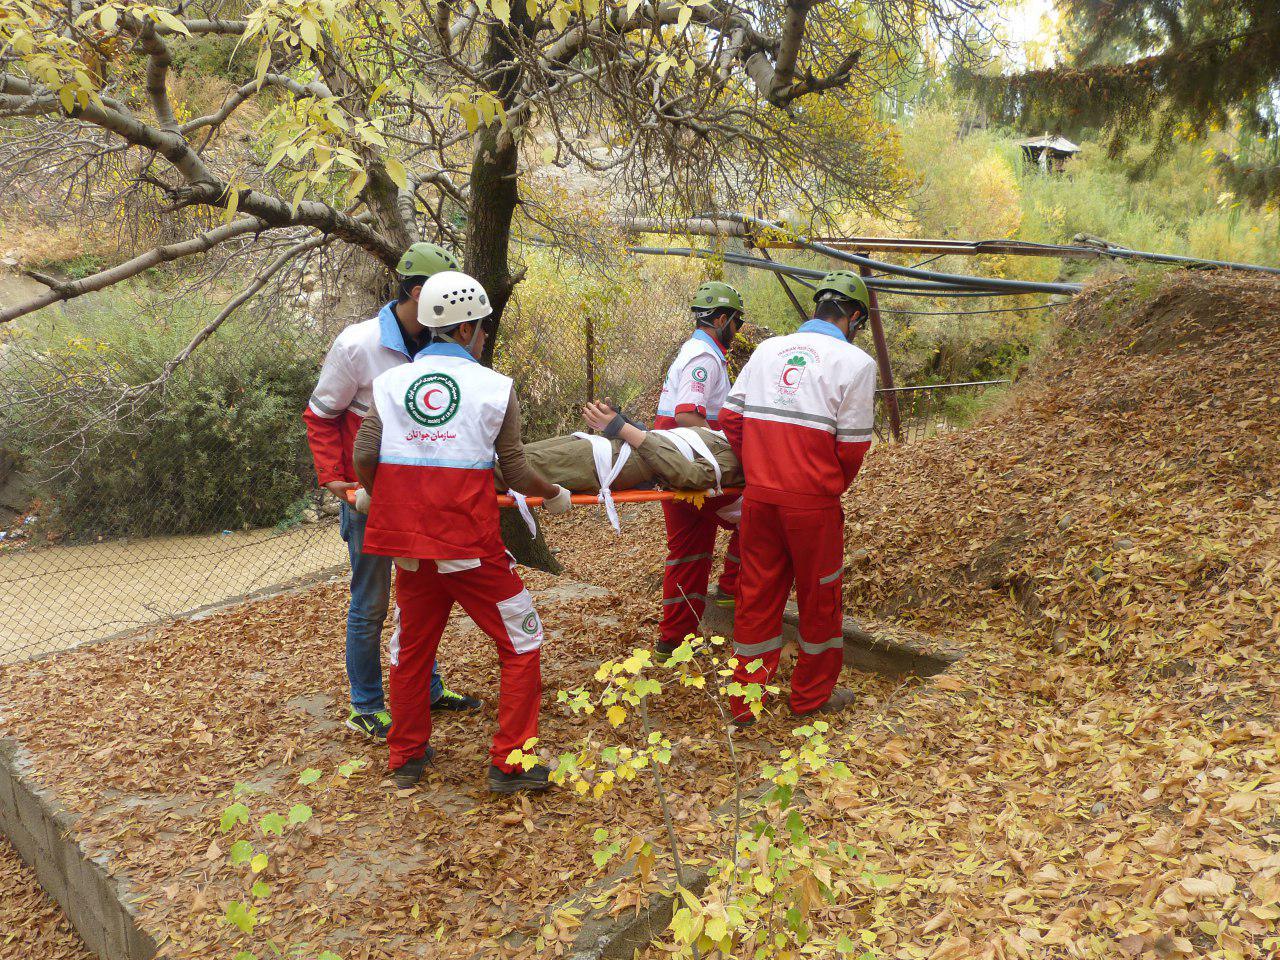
(522, 504)
(688, 442)
(607, 470)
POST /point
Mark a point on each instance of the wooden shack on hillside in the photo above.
(1050, 153)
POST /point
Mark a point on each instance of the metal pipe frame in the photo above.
(728, 225)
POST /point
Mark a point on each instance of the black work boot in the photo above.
(408, 774)
(518, 781)
(840, 699)
(662, 651)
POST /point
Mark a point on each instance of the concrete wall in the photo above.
(40, 829)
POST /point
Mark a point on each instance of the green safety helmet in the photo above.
(425, 260)
(713, 295)
(846, 283)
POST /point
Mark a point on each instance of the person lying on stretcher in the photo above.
(679, 459)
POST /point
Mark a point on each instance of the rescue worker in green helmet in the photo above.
(692, 394)
(800, 417)
(342, 398)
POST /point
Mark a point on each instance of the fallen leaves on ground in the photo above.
(1097, 778)
(32, 925)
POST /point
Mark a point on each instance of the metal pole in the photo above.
(591, 360)
(800, 274)
(958, 279)
(882, 359)
(804, 314)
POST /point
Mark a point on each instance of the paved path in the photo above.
(57, 597)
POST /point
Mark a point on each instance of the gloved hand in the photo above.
(406, 563)
(363, 501)
(558, 504)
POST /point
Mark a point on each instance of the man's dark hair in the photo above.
(406, 287)
(714, 317)
(833, 308)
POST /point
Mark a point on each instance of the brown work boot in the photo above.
(840, 699)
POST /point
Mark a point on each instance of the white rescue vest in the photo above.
(441, 411)
(690, 350)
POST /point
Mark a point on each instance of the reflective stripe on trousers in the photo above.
(691, 544)
(781, 546)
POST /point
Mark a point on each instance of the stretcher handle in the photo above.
(620, 496)
(585, 499)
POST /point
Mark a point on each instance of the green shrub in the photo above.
(221, 446)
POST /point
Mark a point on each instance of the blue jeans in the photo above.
(370, 597)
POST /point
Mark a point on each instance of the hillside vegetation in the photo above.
(1099, 776)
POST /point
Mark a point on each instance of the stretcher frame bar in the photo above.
(622, 496)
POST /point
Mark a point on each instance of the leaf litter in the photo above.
(1097, 778)
(31, 923)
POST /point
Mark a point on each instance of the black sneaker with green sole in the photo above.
(459, 702)
(372, 725)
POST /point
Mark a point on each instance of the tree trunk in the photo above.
(495, 164)
(494, 198)
(528, 550)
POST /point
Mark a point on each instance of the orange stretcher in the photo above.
(584, 499)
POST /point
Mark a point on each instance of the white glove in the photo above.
(363, 500)
(560, 503)
(408, 564)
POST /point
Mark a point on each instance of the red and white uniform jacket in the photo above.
(341, 399)
(800, 416)
(433, 497)
(697, 382)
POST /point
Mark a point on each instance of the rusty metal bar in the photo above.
(943, 386)
(959, 248)
(782, 279)
(882, 359)
(883, 284)
(738, 225)
(956, 279)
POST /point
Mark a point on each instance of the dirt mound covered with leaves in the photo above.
(1099, 776)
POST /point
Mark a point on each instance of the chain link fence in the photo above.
(131, 493)
(125, 502)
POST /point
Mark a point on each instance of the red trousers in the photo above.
(495, 598)
(782, 545)
(691, 544)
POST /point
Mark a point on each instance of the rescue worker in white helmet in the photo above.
(426, 454)
(799, 417)
(692, 394)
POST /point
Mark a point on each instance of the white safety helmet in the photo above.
(449, 298)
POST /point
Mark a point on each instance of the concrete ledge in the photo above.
(893, 655)
(41, 831)
(606, 937)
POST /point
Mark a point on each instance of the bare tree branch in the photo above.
(236, 302)
(61, 292)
